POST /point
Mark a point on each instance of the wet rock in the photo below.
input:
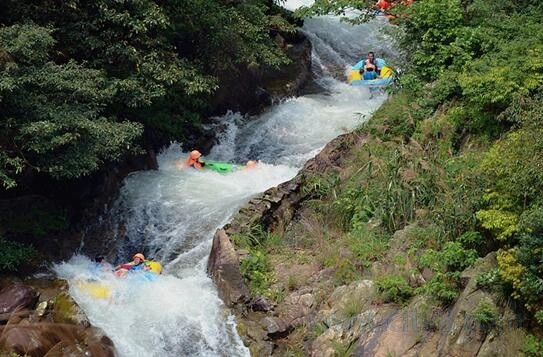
(223, 267)
(249, 90)
(41, 308)
(66, 310)
(16, 297)
(260, 303)
(54, 340)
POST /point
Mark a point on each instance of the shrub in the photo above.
(394, 289)
(15, 254)
(442, 287)
(533, 346)
(485, 313)
(256, 237)
(488, 279)
(452, 257)
(394, 119)
(256, 269)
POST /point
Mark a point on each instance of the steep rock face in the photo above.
(277, 206)
(275, 209)
(350, 318)
(249, 91)
(223, 266)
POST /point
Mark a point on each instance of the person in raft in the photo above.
(100, 264)
(384, 5)
(137, 264)
(193, 160)
(371, 69)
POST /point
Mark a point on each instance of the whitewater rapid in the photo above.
(171, 214)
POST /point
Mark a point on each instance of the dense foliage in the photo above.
(457, 156)
(80, 80)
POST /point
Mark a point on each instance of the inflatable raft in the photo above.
(221, 167)
(385, 78)
(94, 288)
(103, 289)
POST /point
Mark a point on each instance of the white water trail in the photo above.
(172, 214)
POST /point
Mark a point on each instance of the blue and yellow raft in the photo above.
(385, 78)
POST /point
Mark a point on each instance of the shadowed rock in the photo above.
(223, 267)
(16, 296)
(55, 340)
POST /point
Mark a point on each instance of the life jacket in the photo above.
(134, 267)
(368, 75)
(194, 163)
(383, 5)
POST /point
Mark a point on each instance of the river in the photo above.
(172, 214)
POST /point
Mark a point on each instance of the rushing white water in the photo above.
(171, 214)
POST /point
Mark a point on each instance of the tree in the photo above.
(51, 114)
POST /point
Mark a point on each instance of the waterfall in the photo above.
(171, 214)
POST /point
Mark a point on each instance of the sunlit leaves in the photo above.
(51, 113)
(74, 74)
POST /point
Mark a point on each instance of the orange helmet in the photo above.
(139, 255)
(194, 154)
(250, 164)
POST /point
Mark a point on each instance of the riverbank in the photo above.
(346, 258)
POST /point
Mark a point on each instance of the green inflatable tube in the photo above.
(220, 167)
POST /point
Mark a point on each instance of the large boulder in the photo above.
(249, 90)
(57, 327)
(223, 267)
(16, 297)
(277, 206)
(54, 340)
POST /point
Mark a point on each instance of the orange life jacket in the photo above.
(383, 5)
(194, 163)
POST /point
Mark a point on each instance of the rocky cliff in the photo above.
(312, 308)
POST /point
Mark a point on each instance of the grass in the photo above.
(344, 348)
(353, 307)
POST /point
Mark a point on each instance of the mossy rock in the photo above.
(66, 310)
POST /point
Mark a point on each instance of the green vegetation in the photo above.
(255, 267)
(15, 255)
(344, 349)
(393, 289)
(448, 170)
(353, 306)
(485, 313)
(79, 81)
(533, 346)
(457, 153)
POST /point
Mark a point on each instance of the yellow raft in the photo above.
(101, 290)
(385, 78)
(95, 289)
